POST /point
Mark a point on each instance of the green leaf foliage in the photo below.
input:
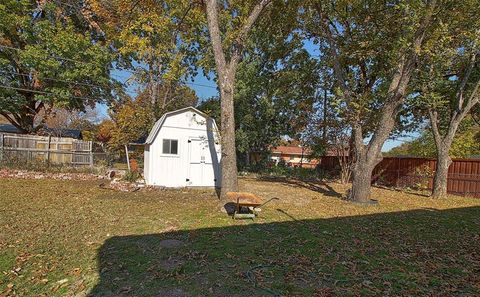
(47, 60)
(466, 144)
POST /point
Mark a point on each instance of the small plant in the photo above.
(422, 177)
(132, 176)
(134, 165)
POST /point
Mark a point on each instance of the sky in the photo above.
(205, 87)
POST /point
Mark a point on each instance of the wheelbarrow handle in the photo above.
(274, 198)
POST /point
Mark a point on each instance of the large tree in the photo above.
(272, 102)
(228, 33)
(450, 81)
(466, 143)
(133, 118)
(275, 95)
(156, 40)
(373, 49)
(49, 58)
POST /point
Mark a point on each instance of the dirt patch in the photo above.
(122, 185)
(171, 264)
(171, 243)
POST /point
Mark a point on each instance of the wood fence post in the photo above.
(90, 143)
(1, 147)
(48, 149)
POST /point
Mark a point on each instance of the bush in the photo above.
(132, 176)
(282, 170)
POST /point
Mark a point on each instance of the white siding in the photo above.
(146, 160)
(174, 170)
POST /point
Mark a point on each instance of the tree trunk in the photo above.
(229, 156)
(325, 110)
(368, 156)
(441, 173)
(226, 77)
(442, 144)
(362, 177)
(26, 120)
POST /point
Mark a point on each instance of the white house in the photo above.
(183, 150)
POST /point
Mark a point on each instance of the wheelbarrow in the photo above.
(246, 204)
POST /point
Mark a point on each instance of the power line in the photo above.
(200, 85)
(55, 56)
(112, 75)
(187, 83)
(55, 79)
(44, 93)
(90, 85)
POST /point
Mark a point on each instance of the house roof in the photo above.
(291, 150)
(8, 128)
(61, 132)
(72, 133)
(297, 150)
(336, 153)
(160, 122)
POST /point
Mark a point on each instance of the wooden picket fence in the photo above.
(417, 173)
(52, 150)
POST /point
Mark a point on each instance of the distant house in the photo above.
(55, 132)
(294, 156)
(298, 156)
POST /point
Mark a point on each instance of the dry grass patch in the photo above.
(68, 238)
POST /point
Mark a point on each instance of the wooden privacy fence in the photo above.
(417, 173)
(52, 150)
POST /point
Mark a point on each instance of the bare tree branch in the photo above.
(215, 36)
(399, 83)
(463, 83)
(434, 125)
(11, 120)
(339, 74)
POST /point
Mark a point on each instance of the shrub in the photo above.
(282, 170)
(132, 176)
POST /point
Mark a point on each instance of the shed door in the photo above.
(201, 168)
(196, 163)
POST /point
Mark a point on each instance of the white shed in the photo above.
(183, 150)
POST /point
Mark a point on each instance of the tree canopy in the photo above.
(48, 59)
(466, 144)
(157, 41)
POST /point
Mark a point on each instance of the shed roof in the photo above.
(159, 123)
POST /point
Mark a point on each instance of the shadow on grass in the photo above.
(420, 193)
(316, 186)
(421, 252)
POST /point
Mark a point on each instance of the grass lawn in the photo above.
(72, 238)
